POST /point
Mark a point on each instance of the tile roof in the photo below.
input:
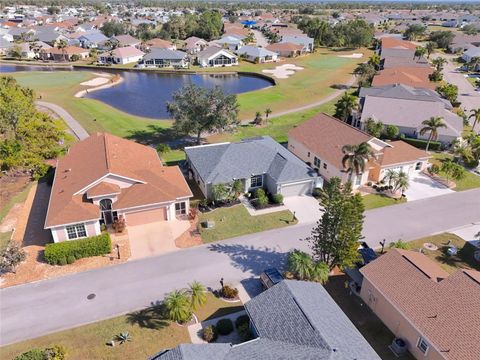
(287, 46)
(221, 163)
(325, 136)
(446, 312)
(103, 188)
(400, 152)
(102, 155)
(159, 43)
(126, 40)
(394, 43)
(294, 320)
(412, 76)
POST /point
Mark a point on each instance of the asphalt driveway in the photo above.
(424, 187)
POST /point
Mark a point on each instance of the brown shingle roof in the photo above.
(445, 312)
(287, 46)
(412, 76)
(325, 136)
(400, 152)
(159, 43)
(393, 43)
(104, 188)
(101, 155)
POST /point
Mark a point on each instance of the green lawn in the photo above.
(5, 239)
(470, 181)
(463, 260)
(236, 221)
(473, 81)
(373, 201)
(149, 330)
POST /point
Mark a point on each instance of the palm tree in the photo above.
(177, 305)
(355, 158)
(320, 272)
(268, 111)
(300, 264)
(419, 52)
(258, 118)
(432, 125)
(198, 295)
(375, 61)
(475, 114)
(62, 45)
(439, 63)
(402, 182)
(430, 48)
(474, 63)
(391, 177)
(345, 106)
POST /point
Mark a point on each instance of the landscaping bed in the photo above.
(470, 181)
(259, 199)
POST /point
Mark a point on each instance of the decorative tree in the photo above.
(355, 158)
(198, 296)
(345, 106)
(431, 126)
(177, 304)
(475, 114)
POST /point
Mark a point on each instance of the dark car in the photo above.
(270, 277)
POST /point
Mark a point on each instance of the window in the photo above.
(422, 345)
(324, 165)
(180, 208)
(256, 181)
(418, 166)
(76, 231)
(316, 161)
(308, 154)
(358, 180)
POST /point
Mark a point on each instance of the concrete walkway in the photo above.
(73, 124)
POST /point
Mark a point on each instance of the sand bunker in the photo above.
(352, 56)
(96, 81)
(283, 71)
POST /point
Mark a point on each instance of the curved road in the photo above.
(34, 309)
(73, 124)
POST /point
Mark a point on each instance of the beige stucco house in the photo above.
(319, 143)
(105, 178)
(434, 312)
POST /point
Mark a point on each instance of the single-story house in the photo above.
(159, 44)
(258, 162)
(104, 178)
(291, 320)
(92, 39)
(435, 313)
(319, 143)
(194, 45)
(125, 40)
(166, 58)
(411, 76)
(257, 54)
(305, 41)
(473, 52)
(286, 49)
(402, 57)
(64, 54)
(229, 42)
(408, 112)
(121, 55)
(462, 42)
(395, 43)
(214, 56)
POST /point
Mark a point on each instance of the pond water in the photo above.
(146, 93)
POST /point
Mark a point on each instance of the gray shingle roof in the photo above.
(255, 51)
(166, 54)
(222, 163)
(294, 320)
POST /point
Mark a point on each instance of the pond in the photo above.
(146, 93)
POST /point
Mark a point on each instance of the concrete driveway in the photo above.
(306, 208)
(155, 238)
(424, 187)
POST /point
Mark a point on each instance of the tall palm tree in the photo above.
(431, 126)
(268, 111)
(62, 45)
(391, 176)
(345, 106)
(375, 61)
(198, 295)
(439, 63)
(419, 52)
(355, 158)
(300, 264)
(177, 305)
(430, 48)
(402, 182)
(475, 114)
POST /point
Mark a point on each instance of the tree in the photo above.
(258, 118)
(268, 111)
(15, 52)
(430, 48)
(196, 110)
(366, 72)
(375, 61)
(475, 114)
(474, 63)
(300, 264)
(399, 244)
(470, 29)
(390, 177)
(335, 238)
(449, 92)
(177, 305)
(62, 45)
(439, 62)
(391, 131)
(443, 39)
(10, 257)
(345, 106)
(431, 126)
(198, 295)
(113, 28)
(374, 128)
(419, 52)
(401, 182)
(355, 158)
(414, 31)
(452, 170)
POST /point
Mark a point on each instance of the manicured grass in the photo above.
(149, 330)
(4, 239)
(463, 260)
(373, 201)
(17, 198)
(473, 81)
(236, 221)
(470, 181)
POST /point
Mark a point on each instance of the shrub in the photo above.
(399, 244)
(163, 148)
(434, 169)
(70, 259)
(259, 193)
(119, 225)
(209, 334)
(422, 144)
(369, 183)
(277, 198)
(33, 354)
(56, 352)
(57, 253)
(244, 332)
(224, 326)
(229, 292)
(316, 192)
(241, 320)
(11, 257)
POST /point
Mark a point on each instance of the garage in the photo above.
(146, 216)
(295, 189)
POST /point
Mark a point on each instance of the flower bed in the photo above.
(259, 199)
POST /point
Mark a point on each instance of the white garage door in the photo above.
(296, 189)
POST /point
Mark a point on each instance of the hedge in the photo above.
(68, 251)
(422, 144)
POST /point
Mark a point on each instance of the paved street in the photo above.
(34, 309)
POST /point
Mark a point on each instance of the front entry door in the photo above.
(106, 208)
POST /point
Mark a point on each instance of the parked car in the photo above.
(270, 277)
